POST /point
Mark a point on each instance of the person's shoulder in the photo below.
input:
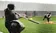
(5, 9)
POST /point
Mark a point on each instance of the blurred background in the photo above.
(38, 9)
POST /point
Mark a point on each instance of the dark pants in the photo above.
(48, 19)
(15, 28)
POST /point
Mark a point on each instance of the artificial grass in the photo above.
(31, 27)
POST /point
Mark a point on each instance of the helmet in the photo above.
(10, 6)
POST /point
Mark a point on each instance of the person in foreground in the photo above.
(11, 21)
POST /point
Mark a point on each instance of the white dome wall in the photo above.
(19, 6)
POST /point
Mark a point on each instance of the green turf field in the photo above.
(31, 27)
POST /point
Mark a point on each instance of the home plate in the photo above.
(50, 22)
